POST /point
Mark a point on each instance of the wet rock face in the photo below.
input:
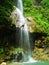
(37, 36)
(9, 35)
(16, 57)
(17, 17)
(19, 57)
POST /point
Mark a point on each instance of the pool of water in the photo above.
(28, 63)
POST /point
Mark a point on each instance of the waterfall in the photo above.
(24, 36)
(20, 5)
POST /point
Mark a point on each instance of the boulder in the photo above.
(3, 63)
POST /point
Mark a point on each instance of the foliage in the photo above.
(27, 7)
(39, 11)
(1, 50)
(6, 7)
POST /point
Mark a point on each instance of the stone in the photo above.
(3, 63)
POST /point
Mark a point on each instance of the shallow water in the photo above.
(28, 63)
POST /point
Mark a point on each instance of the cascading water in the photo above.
(20, 5)
(24, 37)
